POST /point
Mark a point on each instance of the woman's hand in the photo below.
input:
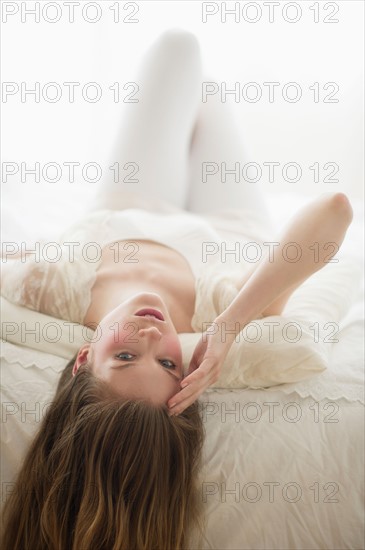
(204, 368)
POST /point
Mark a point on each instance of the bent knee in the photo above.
(178, 38)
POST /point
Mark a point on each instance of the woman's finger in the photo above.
(179, 408)
(183, 399)
(186, 393)
(185, 403)
(206, 366)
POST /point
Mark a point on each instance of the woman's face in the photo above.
(139, 355)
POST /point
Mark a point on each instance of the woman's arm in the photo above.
(309, 241)
(306, 245)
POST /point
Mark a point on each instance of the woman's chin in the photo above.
(137, 302)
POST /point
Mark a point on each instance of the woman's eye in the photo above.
(171, 365)
(123, 356)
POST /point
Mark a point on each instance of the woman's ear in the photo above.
(81, 358)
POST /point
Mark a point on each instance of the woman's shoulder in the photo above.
(23, 278)
(54, 280)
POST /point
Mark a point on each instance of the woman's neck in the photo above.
(159, 269)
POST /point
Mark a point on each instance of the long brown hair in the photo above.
(106, 473)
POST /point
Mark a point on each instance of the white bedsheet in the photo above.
(283, 465)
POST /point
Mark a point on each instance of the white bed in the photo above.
(283, 465)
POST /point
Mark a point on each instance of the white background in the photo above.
(240, 51)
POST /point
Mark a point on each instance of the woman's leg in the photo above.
(218, 183)
(156, 131)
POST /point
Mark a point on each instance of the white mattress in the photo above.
(283, 465)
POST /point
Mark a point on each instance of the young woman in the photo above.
(115, 463)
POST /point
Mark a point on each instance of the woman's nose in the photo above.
(151, 332)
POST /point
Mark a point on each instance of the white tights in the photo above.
(169, 133)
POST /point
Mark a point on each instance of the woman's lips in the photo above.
(151, 312)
